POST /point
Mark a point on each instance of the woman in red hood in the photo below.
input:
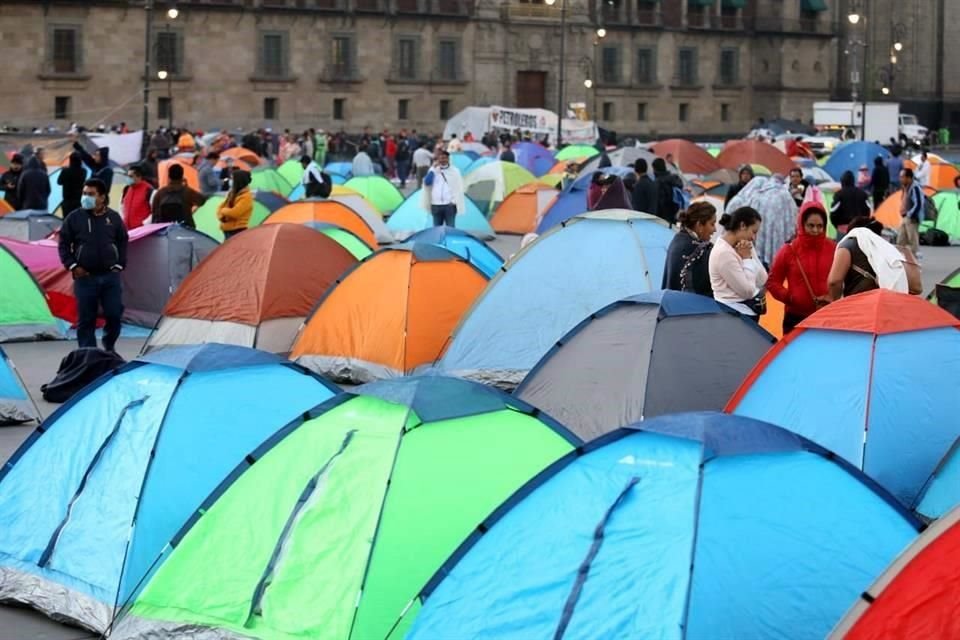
(798, 277)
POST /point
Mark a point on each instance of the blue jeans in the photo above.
(94, 292)
(444, 214)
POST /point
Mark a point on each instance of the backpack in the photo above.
(173, 207)
(315, 189)
(681, 199)
(78, 369)
(935, 238)
(930, 210)
(403, 151)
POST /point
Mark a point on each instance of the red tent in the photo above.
(687, 155)
(918, 596)
(736, 154)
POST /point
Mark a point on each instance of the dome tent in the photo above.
(147, 443)
(942, 490)
(410, 217)
(369, 228)
(24, 311)
(346, 239)
(645, 356)
(691, 525)
(16, 405)
(379, 191)
(392, 456)
(29, 225)
(522, 210)
(475, 251)
(880, 343)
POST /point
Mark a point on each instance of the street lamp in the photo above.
(172, 14)
(163, 74)
(588, 83)
(562, 70)
(601, 33)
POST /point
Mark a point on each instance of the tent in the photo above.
(5, 207)
(576, 152)
(299, 191)
(941, 493)
(410, 217)
(533, 157)
(389, 315)
(865, 377)
(522, 210)
(689, 157)
(355, 201)
(253, 291)
(366, 496)
(344, 169)
(544, 291)
(916, 597)
(205, 217)
(243, 154)
(346, 239)
(741, 152)
(476, 252)
(122, 465)
(889, 210)
(271, 200)
(16, 405)
(462, 160)
(55, 200)
(24, 311)
(370, 229)
(645, 356)
(269, 179)
(491, 183)
(190, 174)
(851, 155)
(771, 197)
(620, 158)
(948, 213)
(378, 191)
(291, 171)
(586, 175)
(694, 525)
(28, 225)
(479, 162)
(570, 202)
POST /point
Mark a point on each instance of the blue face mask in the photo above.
(88, 202)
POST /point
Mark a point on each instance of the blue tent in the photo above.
(90, 500)
(850, 156)
(56, 191)
(685, 526)
(464, 245)
(411, 217)
(479, 162)
(583, 180)
(577, 268)
(533, 157)
(462, 160)
(344, 169)
(15, 403)
(571, 202)
(942, 492)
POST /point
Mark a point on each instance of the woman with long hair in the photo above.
(736, 273)
(687, 267)
(235, 211)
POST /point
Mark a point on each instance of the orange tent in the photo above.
(390, 315)
(5, 207)
(239, 153)
(741, 152)
(889, 211)
(237, 164)
(772, 320)
(520, 211)
(254, 290)
(942, 175)
(689, 157)
(329, 211)
(190, 174)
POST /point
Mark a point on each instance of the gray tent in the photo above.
(159, 257)
(28, 225)
(648, 355)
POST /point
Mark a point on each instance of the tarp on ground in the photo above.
(410, 218)
(676, 528)
(127, 451)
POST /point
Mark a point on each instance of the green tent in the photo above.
(378, 191)
(346, 239)
(952, 280)
(330, 529)
(206, 216)
(24, 312)
(490, 184)
(948, 213)
(270, 180)
(292, 172)
(576, 151)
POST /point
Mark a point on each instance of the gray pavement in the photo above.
(38, 361)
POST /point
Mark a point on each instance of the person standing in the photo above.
(803, 264)
(879, 182)
(507, 154)
(10, 179)
(235, 211)
(362, 163)
(209, 175)
(744, 175)
(422, 160)
(737, 275)
(798, 186)
(922, 172)
(403, 156)
(71, 181)
(136, 200)
(389, 155)
(316, 183)
(454, 145)
(176, 202)
(687, 267)
(848, 203)
(667, 206)
(444, 191)
(865, 261)
(98, 163)
(93, 247)
(33, 189)
(319, 147)
(894, 167)
(911, 211)
(645, 190)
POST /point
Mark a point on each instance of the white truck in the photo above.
(882, 123)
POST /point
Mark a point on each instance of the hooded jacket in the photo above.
(71, 179)
(815, 255)
(735, 189)
(96, 243)
(33, 190)
(99, 170)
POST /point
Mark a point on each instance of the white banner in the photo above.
(124, 147)
(479, 120)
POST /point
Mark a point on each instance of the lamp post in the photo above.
(172, 14)
(163, 74)
(855, 17)
(586, 66)
(562, 70)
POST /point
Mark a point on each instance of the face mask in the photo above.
(88, 202)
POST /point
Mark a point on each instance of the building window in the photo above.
(64, 48)
(341, 57)
(724, 112)
(647, 66)
(683, 113)
(610, 64)
(274, 54)
(729, 67)
(446, 106)
(271, 109)
(641, 112)
(687, 67)
(339, 108)
(403, 109)
(609, 112)
(448, 63)
(168, 52)
(164, 108)
(61, 108)
(406, 58)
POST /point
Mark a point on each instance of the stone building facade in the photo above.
(662, 67)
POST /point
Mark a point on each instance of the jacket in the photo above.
(815, 254)
(136, 204)
(666, 207)
(687, 267)
(99, 170)
(71, 179)
(33, 190)
(209, 178)
(454, 180)
(645, 195)
(96, 243)
(237, 217)
(848, 203)
(8, 183)
(192, 201)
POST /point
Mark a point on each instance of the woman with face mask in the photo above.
(736, 273)
(235, 211)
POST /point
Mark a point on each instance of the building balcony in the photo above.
(448, 77)
(528, 11)
(803, 26)
(340, 73)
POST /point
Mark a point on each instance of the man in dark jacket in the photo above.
(645, 191)
(177, 201)
(667, 207)
(98, 163)
(10, 179)
(33, 190)
(93, 247)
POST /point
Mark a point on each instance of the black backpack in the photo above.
(316, 189)
(173, 207)
(78, 369)
(935, 238)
